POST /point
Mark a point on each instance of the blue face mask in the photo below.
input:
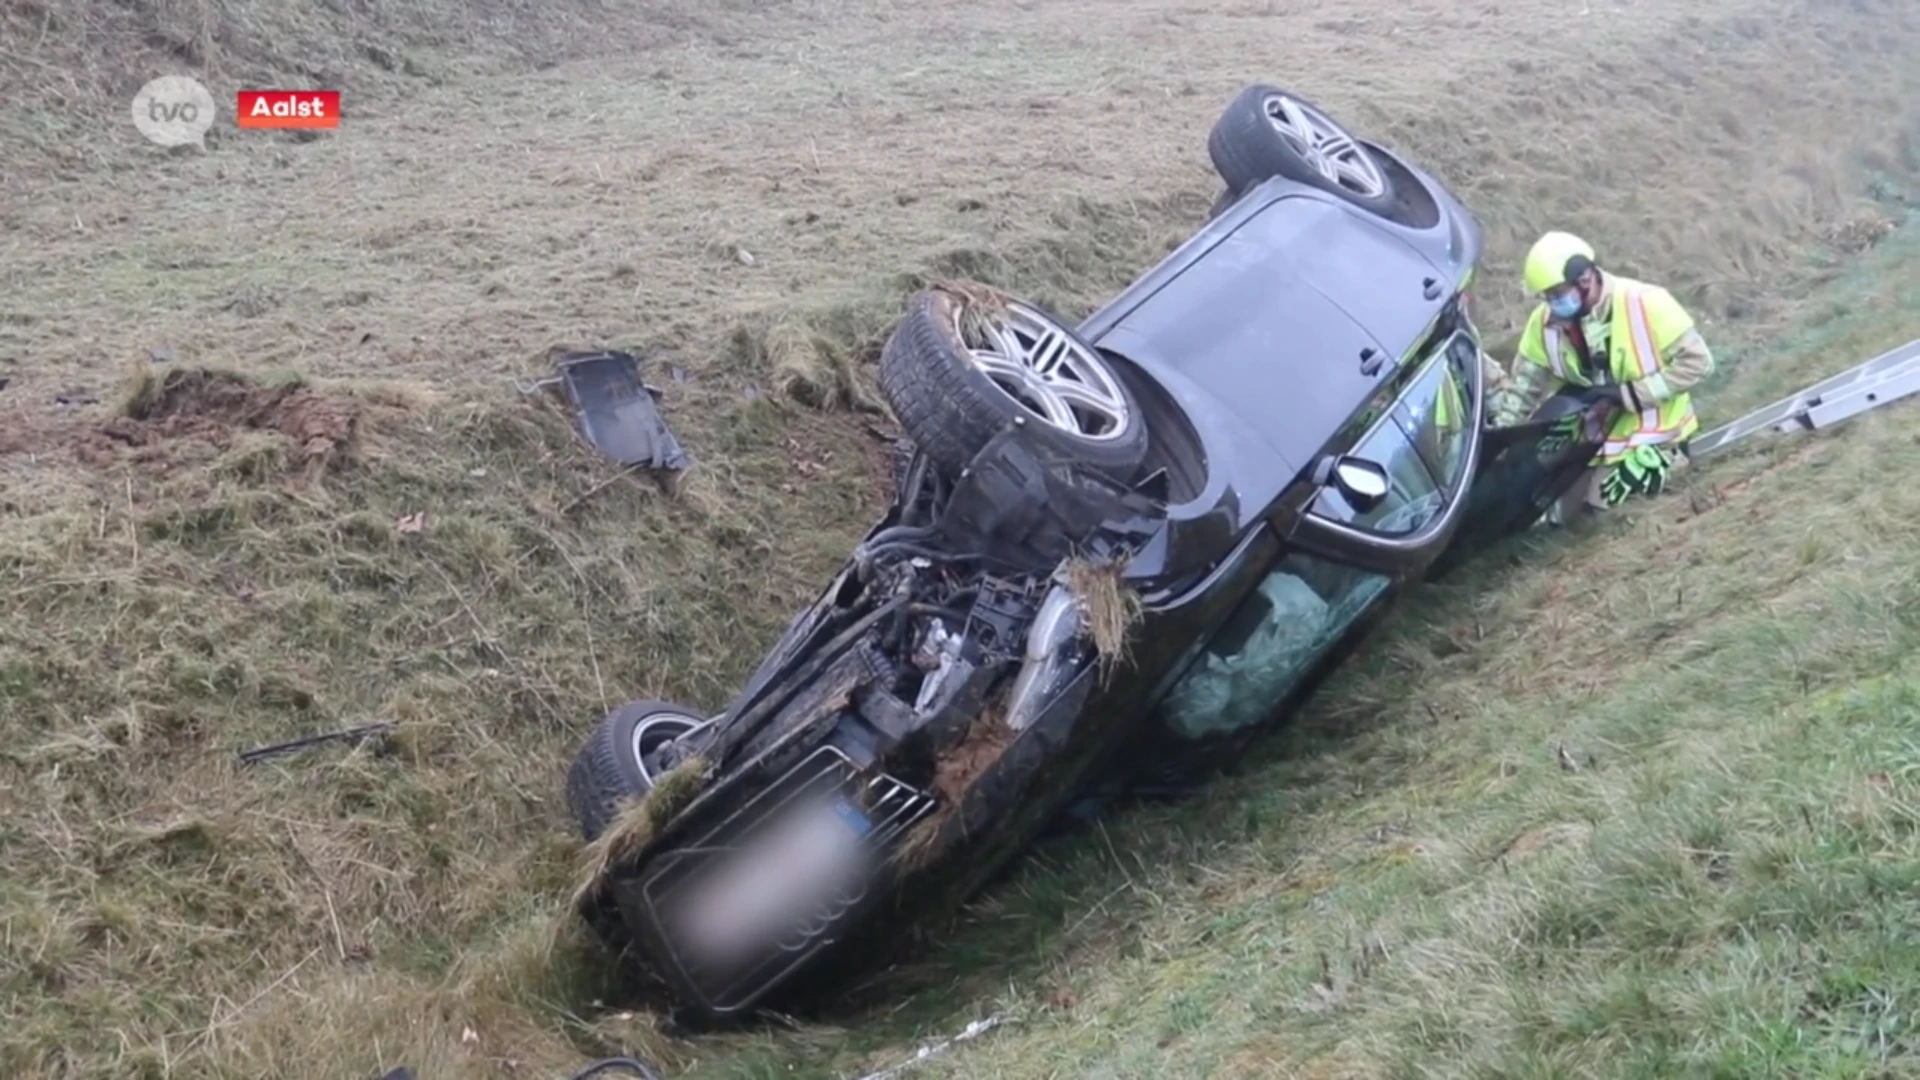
(1564, 305)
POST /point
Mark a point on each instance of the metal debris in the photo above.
(1892, 376)
(933, 1049)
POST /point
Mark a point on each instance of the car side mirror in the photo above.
(1362, 483)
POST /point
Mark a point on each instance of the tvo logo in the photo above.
(174, 110)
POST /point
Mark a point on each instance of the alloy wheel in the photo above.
(1051, 374)
(1325, 146)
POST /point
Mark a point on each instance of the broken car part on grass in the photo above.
(615, 411)
(363, 731)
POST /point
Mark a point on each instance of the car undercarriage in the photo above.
(952, 626)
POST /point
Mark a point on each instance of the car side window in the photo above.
(1412, 497)
(1435, 409)
(1269, 644)
(1421, 437)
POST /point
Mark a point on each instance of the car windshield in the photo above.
(1421, 443)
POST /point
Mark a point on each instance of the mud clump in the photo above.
(955, 770)
(960, 766)
(209, 406)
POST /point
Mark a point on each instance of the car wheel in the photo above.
(955, 389)
(901, 461)
(1267, 132)
(1227, 198)
(612, 768)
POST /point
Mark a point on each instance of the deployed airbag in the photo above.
(1220, 693)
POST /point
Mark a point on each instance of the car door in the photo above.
(1423, 436)
(1516, 482)
(1314, 598)
(1308, 601)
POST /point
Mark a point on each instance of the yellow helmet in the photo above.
(1551, 261)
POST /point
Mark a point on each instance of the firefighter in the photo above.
(1627, 350)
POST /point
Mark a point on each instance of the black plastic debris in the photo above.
(615, 410)
(248, 757)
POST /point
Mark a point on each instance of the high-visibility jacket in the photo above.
(1653, 357)
(1450, 406)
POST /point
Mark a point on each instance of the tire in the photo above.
(902, 463)
(1227, 198)
(951, 409)
(1249, 146)
(608, 772)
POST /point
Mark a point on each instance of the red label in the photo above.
(288, 109)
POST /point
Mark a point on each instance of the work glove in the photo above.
(1505, 407)
(1562, 434)
(1597, 404)
(1642, 472)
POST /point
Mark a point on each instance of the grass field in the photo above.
(1723, 884)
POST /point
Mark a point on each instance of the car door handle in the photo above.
(1370, 361)
(1432, 286)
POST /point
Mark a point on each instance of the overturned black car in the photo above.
(1116, 550)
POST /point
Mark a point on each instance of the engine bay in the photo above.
(949, 630)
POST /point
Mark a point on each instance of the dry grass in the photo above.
(202, 599)
(976, 307)
(462, 568)
(636, 824)
(1110, 609)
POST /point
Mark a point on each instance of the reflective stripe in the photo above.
(1648, 432)
(1629, 322)
(1650, 427)
(1556, 359)
(1633, 307)
(1646, 358)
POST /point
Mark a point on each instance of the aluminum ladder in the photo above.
(1880, 381)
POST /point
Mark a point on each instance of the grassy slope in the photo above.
(170, 913)
(1722, 878)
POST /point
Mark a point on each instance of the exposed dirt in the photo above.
(195, 406)
(201, 404)
(956, 770)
